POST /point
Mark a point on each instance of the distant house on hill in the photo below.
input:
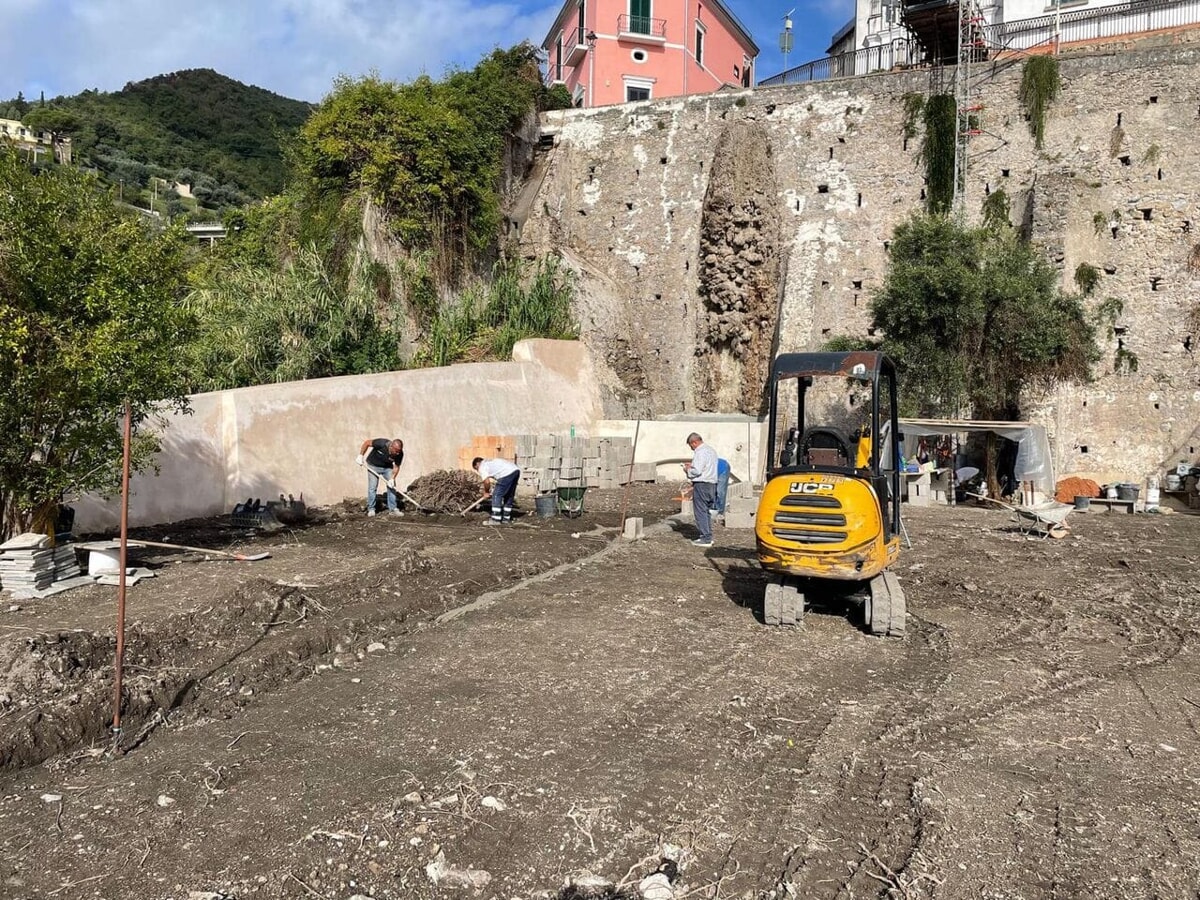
(36, 144)
(618, 51)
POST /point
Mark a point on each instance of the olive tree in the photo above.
(89, 320)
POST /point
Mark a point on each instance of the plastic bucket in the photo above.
(1082, 502)
(1152, 497)
(546, 505)
(1174, 482)
(1127, 491)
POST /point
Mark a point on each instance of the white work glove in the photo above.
(359, 459)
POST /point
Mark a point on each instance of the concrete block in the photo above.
(633, 530)
(686, 512)
(739, 489)
(741, 504)
(739, 518)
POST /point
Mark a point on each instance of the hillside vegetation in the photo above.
(197, 126)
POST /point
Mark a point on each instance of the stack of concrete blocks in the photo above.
(551, 461)
(927, 488)
(741, 506)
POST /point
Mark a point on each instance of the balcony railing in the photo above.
(1090, 25)
(897, 54)
(642, 26)
(575, 45)
(1133, 17)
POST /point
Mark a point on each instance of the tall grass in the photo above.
(487, 320)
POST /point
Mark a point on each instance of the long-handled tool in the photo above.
(243, 557)
(467, 509)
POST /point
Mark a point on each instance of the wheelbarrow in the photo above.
(1045, 519)
(570, 499)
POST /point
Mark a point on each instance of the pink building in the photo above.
(617, 51)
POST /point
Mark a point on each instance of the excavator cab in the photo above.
(830, 509)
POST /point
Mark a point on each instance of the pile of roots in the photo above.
(446, 490)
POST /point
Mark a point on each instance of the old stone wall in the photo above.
(640, 198)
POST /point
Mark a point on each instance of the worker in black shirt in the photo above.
(382, 457)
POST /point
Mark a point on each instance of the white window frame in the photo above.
(633, 81)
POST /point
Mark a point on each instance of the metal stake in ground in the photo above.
(629, 477)
(119, 663)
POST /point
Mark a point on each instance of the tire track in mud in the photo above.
(870, 802)
(870, 796)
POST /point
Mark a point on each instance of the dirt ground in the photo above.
(428, 707)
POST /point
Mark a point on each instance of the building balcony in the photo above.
(642, 29)
(575, 46)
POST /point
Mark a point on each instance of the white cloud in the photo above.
(292, 47)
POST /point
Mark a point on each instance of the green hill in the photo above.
(196, 126)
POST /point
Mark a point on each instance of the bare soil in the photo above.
(431, 707)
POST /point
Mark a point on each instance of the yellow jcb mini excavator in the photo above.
(830, 507)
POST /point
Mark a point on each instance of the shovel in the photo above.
(244, 557)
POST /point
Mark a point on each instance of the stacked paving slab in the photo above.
(30, 567)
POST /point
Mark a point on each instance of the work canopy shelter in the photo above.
(1034, 466)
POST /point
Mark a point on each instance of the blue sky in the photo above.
(297, 47)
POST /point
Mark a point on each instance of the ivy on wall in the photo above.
(1040, 84)
(937, 152)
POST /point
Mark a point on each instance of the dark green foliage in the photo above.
(997, 211)
(488, 320)
(847, 343)
(427, 152)
(972, 316)
(556, 97)
(259, 326)
(1087, 277)
(914, 105)
(937, 152)
(89, 319)
(196, 119)
(1040, 84)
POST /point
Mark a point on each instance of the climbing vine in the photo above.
(1087, 277)
(1040, 84)
(937, 152)
(914, 104)
(997, 210)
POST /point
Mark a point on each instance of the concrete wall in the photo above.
(624, 202)
(302, 437)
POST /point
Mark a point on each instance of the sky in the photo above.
(298, 47)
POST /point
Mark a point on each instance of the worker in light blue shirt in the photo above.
(702, 473)
(722, 486)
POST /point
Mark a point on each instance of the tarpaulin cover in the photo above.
(1033, 463)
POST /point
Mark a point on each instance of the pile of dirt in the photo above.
(446, 490)
(1070, 488)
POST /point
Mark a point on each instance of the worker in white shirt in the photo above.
(702, 473)
(500, 476)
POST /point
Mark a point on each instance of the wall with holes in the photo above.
(1116, 187)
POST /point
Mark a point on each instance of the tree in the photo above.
(89, 320)
(973, 317)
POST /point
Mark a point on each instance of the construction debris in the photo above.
(445, 490)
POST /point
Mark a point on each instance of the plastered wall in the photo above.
(628, 189)
(302, 437)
